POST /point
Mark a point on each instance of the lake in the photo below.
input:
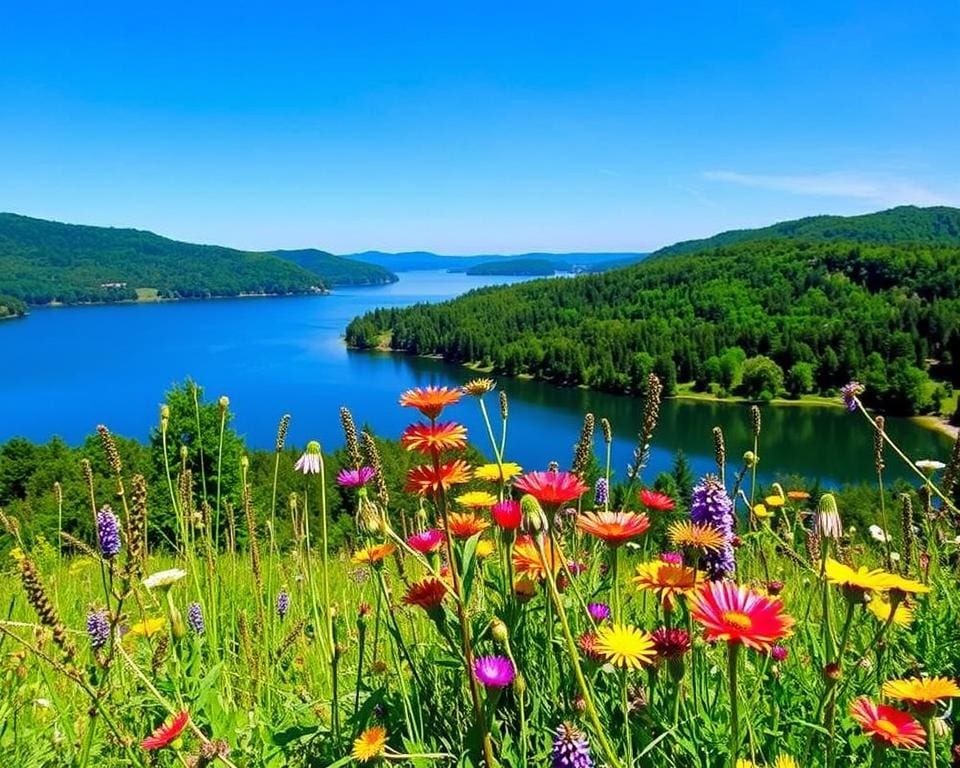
(70, 369)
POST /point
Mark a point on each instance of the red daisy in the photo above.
(430, 401)
(615, 528)
(739, 615)
(551, 487)
(433, 438)
(656, 501)
(887, 725)
(507, 514)
(166, 733)
(427, 594)
(426, 541)
(426, 479)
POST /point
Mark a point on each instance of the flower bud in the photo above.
(750, 459)
(499, 631)
(532, 513)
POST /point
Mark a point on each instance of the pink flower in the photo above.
(355, 478)
(426, 541)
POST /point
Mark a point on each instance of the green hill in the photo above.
(11, 307)
(906, 223)
(338, 270)
(46, 261)
(764, 317)
(517, 266)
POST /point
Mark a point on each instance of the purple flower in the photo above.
(309, 462)
(711, 505)
(601, 492)
(673, 558)
(850, 392)
(108, 533)
(599, 611)
(779, 653)
(98, 629)
(195, 618)
(494, 671)
(355, 478)
(283, 604)
(570, 748)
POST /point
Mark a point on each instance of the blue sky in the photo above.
(474, 127)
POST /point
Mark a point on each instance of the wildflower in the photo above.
(166, 733)
(527, 561)
(551, 487)
(701, 536)
(760, 511)
(601, 492)
(775, 501)
(355, 478)
(195, 618)
(666, 580)
(856, 583)
(906, 586)
(878, 534)
(672, 558)
(283, 604)
(147, 627)
(463, 525)
(849, 394)
(476, 500)
(479, 387)
(774, 588)
(98, 629)
(370, 744)
(785, 761)
(373, 555)
(162, 579)
(779, 653)
(598, 611)
(108, 533)
(710, 504)
(430, 401)
(922, 694)
(656, 501)
(426, 478)
(670, 643)
(507, 514)
(497, 472)
(570, 748)
(427, 594)
(524, 588)
(434, 437)
(426, 541)
(484, 549)
(929, 466)
(494, 671)
(886, 725)
(625, 646)
(880, 607)
(309, 461)
(737, 614)
(615, 528)
(827, 524)
(798, 495)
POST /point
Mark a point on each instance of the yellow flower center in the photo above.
(738, 619)
(886, 726)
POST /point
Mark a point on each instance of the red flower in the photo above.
(430, 401)
(426, 541)
(433, 438)
(551, 487)
(887, 725)
(426, 479)
(615, 528)
(507, 514)
(656, 501)
(739, 615)
(427, 594)
(166, 733)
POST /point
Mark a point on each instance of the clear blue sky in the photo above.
(467, 127)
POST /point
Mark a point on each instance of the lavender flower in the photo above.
(283, 604)
(710, 504)
(195, 618)
(108, 533)
(599, 611)
(494, 671)
(355, 478)
(570, 748)
(98, 629)
(601, 492)
(850, 392)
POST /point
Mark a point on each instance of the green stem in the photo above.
(732, 653)
(625, 701)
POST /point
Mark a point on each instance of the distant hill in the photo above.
(904, 224)
(46, 261)
(412, 261)
(338, 270)
(518, 266)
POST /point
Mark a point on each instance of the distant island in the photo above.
(47, 262)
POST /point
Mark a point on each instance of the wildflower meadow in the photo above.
(488, 614)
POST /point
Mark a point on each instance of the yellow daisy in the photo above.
(862, 579)
(147, 627)
(881, 609)
(492, 472)
(775, 501)
(686, 535)
(373, 554)
(484, 548)
(476, 500)
(909, 586)
(921, 690)
(625, 646)
(370, 744)
(761, 511)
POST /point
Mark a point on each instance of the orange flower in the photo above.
(527, 561)
(426, 479)
(615, 528)
(739, 615)
(798, 495)
(373, 554)
(666, 579)
(702, 536)
(551, 487)
(524, 588)
(166, 733)
(433, 438)
(887, 725)
(922, 694)
(463, 525)
(430, 401)
(427, 594)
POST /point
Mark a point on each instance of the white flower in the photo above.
(163, 578)
(309, 462)
(929, 466)
(895, 557)
(878, 534)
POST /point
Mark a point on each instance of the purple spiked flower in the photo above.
(850, 392)
(108, 532)
(570, 748)
(283, 604)
(710, 504)
(195, 618)
(601, 492)
(494, 671)
(98, 629)
(355, 478)
(599, 611)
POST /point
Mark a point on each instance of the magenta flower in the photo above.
(426, 541)
(494, 671)
(673, 558)
(309, 462)
(355, 478)
(599, 611)
(779, 653)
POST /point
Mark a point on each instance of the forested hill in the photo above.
(338, 270)
(763, 317)
(46, 261)
(906, 223)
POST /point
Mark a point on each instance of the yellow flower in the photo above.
(484, 548)
(476, 500)
(17, 554)
(761, 511)
(666, 579)
(491, 472)
(147, 627)
(370, 745)
(909, 586)
(881, 609)
(625, 646)
(861, 579)
(921, 690)
(686, 535)
(373, 554)
(785, 761)
(774, 501)
(479, 387)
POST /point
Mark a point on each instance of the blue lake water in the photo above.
(70, 369)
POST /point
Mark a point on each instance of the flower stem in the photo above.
(732, 654)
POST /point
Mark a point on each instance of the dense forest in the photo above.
(517, 266)
(338, 270)
(45, 261)
(11, 307)
(759, 318)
